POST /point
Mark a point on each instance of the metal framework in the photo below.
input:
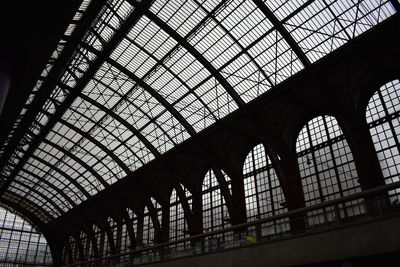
(133, 83)
(21, 243)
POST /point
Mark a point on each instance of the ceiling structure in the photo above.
(130, 80)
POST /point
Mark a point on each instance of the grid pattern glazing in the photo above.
(178, 228)
(215, 211)
(383, 117)
(321, 26)
(264, 195)
(179, 67)
(326, 164)
(20, 243)
(148, 226)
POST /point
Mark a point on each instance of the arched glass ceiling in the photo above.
(148, 75)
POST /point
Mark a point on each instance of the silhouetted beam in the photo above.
(199, 57)
(236, 42)
(24, 214)
(109, 112)
(282, 30)
(161, 63)
(43, 212)
(65, 175)
(136, 132)
(98, 144)
(58, 190)
(104, 128)
(80, 85)
(149, 89)
(48, 85)
(81, 162)
(154, 94)
(32, 189)
(396, 5)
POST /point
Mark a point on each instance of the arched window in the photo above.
(264, 196)
(326, 166)
(113, 225)
(215, 212)
(86, 245)
(125, 242)
(21, 243)
(99, 235)
(132, 215)
(74, 249)
(148, 227)
(383, 119)
(178, 227)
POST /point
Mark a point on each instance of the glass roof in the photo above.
(149, 75)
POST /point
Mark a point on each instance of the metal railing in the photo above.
(360, 207)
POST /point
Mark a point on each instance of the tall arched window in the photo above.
(99, 235)
(383, 117)
(21, 243)
(264, 195)
(133, 217)
(86, 245)
(73, 249)
(148, 227)
(178, 227)
(125, 242)
(215, 212)
(326, 166)
(113, 227)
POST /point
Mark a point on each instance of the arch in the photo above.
(327, 168)
(263, 192)
(184, 43)
(151, 224)
(21, 243)
(178, 223)
(383, 118)
(132, 229)
(215, 210)
(264, 195)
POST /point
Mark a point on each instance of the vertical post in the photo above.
(288, 168)
(362, 148)
(366, 160)
(238, 200)
(118, 241)
(164, 230)
(5, 82)
(101, 243)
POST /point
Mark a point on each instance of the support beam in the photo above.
(46, 89)
(65, 175)
(396, 5)
(81, 162)
(36, 207)
(137, 133)
(80, 85)
(154, 219)
(282, 30)
(227, 32)
(98, 144)
(32, 189)
(5, 81)
(58, 190)
(148, 89)
(199, 57)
